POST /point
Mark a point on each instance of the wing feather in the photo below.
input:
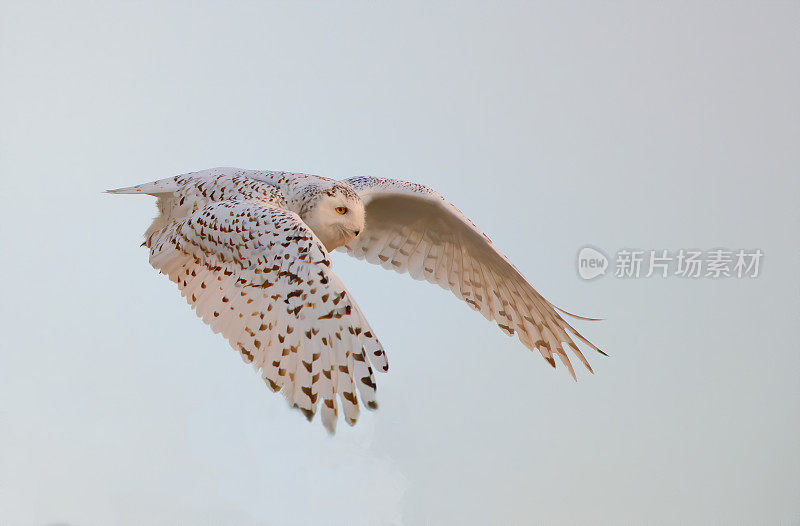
(411, 228)
(256, 273)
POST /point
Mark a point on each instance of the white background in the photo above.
(551, 125)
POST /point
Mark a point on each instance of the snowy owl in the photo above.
(249, 251)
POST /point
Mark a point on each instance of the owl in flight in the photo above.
(249, 251)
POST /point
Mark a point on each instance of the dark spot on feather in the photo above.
(366, 380)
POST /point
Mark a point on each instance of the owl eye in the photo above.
(341, 210)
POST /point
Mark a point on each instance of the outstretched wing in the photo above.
(411, 228)
(258, 275)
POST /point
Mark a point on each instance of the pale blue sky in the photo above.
(551, 125)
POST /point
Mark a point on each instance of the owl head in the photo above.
(334, 212)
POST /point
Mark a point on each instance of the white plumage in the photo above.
(249, 252)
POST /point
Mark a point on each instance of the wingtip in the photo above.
(330, 427)
(307, 413)
(577, 317)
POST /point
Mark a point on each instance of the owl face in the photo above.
(336, 216)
